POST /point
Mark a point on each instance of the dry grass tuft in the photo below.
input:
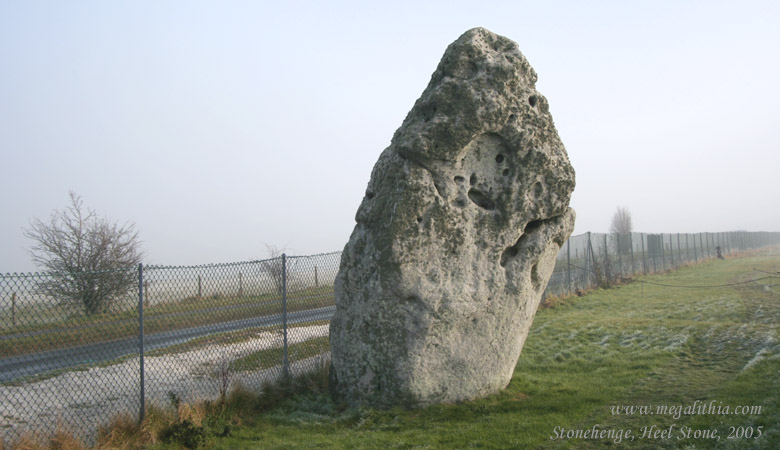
(64, 440)
(194, 412)
(156, 420)
(27, 441)
(123, 432)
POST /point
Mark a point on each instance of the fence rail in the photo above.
(193, 332)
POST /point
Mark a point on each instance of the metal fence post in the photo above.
(679, 251)
(663, 256)
(720, 244)
(712, 244)
(631, 246)
(620, 260)
(671, 251)
(285, 362)
(654, 255)
(644, 253)
(588, 250)
(701, 245)
(568, 265)
(606, 260)
(142, 396)
(695, 256)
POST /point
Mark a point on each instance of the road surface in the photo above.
(17, 367)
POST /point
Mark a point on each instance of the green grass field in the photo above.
(35, 336)
(680, 355)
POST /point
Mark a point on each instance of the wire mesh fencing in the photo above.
(52, 349)
(598, 259)
(73, 354)
(176, 332)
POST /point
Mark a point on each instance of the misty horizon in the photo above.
(218, 129)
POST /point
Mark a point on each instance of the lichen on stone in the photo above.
(456, 237)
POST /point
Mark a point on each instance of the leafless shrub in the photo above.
(90, 258)
(224, 376)
(621, 221)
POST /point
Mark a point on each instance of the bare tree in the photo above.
(274, 268)
(622, 226)
(90, 258)
(621, 221)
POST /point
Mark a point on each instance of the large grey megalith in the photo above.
(456, 237)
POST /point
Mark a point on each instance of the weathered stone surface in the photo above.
(456, 236)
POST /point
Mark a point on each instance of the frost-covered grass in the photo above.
(637, 344)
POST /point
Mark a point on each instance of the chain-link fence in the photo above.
(188, 333)
(597, 259)
(74, 358)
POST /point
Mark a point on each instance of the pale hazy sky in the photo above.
(220, 126)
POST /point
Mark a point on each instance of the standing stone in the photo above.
(456, 237)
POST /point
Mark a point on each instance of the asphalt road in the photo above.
(134, 320)
(16, 367)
